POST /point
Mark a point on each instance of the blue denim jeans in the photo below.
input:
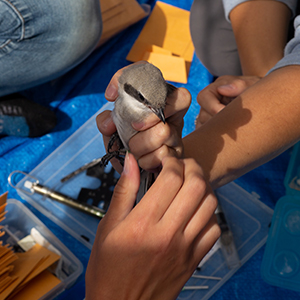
(40, 39)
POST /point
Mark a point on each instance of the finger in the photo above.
(236, 85)
(206, 239)
(177, 104)
(154, 138)
(151, 162)
(201, 216)
(176, 107)
(105, 123)
(125, 191)
(210, 101)
(233, 89)
(111, 92)
(157, 200)
(203, 116)
(189, 197)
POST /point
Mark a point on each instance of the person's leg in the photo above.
(213, 38)
(40, 40)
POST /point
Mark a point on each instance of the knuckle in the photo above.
(162, 152)
(175, 178)
(215, 109)
(214, 202)
(120, 190)
(186, 97)
(178, 151)
(216, 231)
(162, 131)
(197, 184)
(239, 82)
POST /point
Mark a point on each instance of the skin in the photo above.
(258, 47)
(258, 132)
(258, 125)
(244, 122)
(167, 136)
(132, 245)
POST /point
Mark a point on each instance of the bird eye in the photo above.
(142, 98)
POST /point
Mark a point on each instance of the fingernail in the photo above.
(138, 125)
(111, 92)
(126, 168)
(107, 122)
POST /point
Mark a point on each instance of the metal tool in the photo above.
(42, 190)
(102, 161)
(82, 169)
(35, 187)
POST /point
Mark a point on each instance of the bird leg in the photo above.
(118, 154)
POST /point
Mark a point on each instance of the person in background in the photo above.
(40, 41)
(245, 119)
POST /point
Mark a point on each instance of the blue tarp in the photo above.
(77, 96)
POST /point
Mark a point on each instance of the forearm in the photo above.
(254, 128)
(260, 29)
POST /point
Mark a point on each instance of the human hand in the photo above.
(221, 92)
(155, 139)
(150, 251)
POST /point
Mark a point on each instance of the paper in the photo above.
(118, 15)
(167, 29)
(167, 64)
(37, 287)
(25, 275)
(3, 199)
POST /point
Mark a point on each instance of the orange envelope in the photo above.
(37, 287)
(167, 28)
(119, 15)
(3, 199)
(167, 64)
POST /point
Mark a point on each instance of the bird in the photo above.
(142, 90)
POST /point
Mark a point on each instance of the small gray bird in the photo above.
(142, 91)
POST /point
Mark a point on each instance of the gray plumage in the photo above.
(142, 91)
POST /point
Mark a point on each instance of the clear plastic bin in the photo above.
(248, 218)
(18, 223)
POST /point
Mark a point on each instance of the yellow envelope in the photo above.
(167, 28)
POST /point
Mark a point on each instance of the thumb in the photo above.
(125, 191)
(233, 89)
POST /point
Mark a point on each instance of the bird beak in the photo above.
(160, 113)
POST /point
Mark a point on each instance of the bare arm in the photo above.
(257, 126)
(260, 29)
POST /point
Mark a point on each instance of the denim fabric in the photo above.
(41, 39)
